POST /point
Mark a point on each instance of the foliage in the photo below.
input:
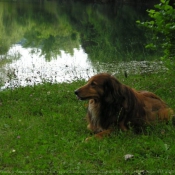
(43, 130)
(162, 24)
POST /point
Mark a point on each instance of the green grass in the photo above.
(42, 130)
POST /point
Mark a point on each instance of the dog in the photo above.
(113, 104)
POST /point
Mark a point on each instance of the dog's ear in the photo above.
(112, 90)
(116, 91)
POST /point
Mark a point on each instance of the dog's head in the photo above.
(101, 86)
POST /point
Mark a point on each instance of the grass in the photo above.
(42, 130)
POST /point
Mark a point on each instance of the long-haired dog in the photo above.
(112, 104)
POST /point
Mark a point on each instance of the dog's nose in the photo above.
(76, 92)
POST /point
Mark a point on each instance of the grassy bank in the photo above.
(42, 130)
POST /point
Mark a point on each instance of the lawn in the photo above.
(43, 130)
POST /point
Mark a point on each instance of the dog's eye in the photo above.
(93, 83)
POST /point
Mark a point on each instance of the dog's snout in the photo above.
(76, 92)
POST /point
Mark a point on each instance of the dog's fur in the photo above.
(112, 103)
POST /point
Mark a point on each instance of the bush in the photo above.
(162, 25)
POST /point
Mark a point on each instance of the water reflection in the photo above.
(56, 41)
(106, 32)
(32, 68)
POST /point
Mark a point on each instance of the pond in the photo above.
(62, 41)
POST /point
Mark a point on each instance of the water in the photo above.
(58, 42)
(32, 67)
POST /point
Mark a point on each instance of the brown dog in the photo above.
(112, 103)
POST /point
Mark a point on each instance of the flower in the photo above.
(13, 151)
